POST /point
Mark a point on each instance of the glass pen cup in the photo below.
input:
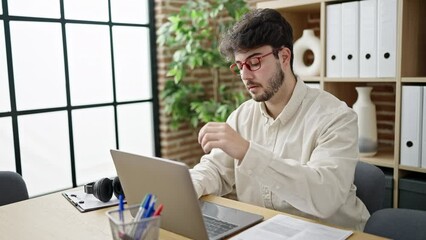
(125, 227)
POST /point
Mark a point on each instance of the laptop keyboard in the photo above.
(215, 227)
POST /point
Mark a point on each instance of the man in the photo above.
(289, 148)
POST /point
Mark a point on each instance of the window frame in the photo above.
(14, 113)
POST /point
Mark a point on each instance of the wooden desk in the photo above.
(53, 217)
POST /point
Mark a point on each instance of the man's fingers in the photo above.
(210, 145)
(209, 137)
(211, 127)
(214, 135)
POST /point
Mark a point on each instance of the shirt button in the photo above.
(277, 187)
(250, 172)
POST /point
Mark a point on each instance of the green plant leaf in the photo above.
(195, 31)
(179, 75)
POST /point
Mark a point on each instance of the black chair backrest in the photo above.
(12, 188)
(398, 224)
(370, 183)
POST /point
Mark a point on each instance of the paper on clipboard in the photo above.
(87, 202)
(282, 227)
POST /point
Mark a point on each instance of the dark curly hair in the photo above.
(257, 28)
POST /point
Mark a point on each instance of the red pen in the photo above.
(158, 210)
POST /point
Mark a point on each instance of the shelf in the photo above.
(360, 80)
(384, 158)
(293, 5)
(345, 90)
(413, 79)
(410, 70)
(311, 79)
(412, 169)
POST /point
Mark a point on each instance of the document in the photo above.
(282, 227)
(350, 39)
(368, 38)
(87, 202)
(411, 125)
(334, 40)
(387, 26)
(423, 147)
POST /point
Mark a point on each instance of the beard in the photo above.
(274, 84)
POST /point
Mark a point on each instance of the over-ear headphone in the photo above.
(104, 188)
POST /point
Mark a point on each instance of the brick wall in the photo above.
(383, 96)
(182, 144)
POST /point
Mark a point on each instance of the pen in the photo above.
(121, 209)
(158, 210)
(156, 213)
(143, 207)
(121, 206)
(148, 213)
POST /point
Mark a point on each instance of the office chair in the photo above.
(370, 183)
(398, 223)
(12, 188)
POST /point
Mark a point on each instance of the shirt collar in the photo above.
(292, 106)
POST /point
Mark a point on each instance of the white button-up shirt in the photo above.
(303, 162)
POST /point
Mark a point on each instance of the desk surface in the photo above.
(53, 217)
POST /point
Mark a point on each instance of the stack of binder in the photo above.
(413, 126)
(361, 39)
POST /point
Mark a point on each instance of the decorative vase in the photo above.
(308, 41)
(367, 124)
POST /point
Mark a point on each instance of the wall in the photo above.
(182, 144)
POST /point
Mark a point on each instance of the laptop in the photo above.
(183, 212)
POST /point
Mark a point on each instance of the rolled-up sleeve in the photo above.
(214, 174)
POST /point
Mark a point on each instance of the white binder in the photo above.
(350, 39)
(411, 125)
(334, 40)
(423, 158)
(387, 26)
(368, 38)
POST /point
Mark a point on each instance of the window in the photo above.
(77, 78)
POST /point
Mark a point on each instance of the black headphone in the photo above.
(104, 188)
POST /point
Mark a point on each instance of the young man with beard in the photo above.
(290, 148)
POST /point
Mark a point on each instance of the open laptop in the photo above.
(183, 212)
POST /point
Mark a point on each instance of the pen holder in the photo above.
(125, 227)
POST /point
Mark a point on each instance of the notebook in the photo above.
(183, 212)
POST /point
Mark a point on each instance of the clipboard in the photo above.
(85, 202)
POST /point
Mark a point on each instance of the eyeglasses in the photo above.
(252, 64)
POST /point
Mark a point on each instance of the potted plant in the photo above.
(194, 33)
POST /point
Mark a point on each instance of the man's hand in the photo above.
(221, 135)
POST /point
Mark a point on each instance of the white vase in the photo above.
(367, 124)
(308, 41)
